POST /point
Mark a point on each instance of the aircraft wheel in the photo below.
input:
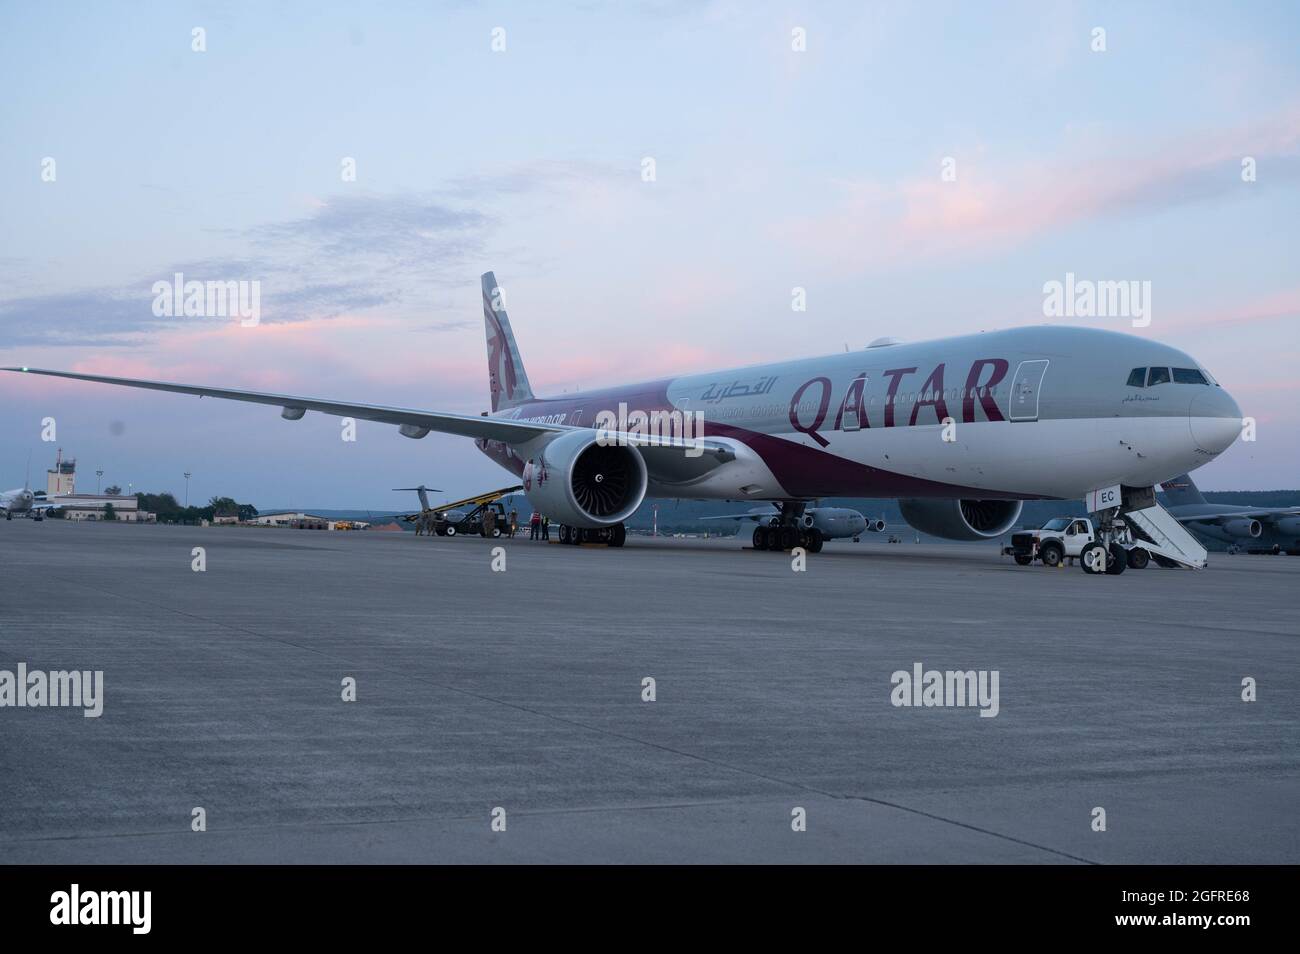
(1138, 559)
(1024, 559)
(760, 538)
(617, 535)
(1118, 561)
(1051, 554)
(1092, 559)
(451, 531)
(789, 538)
(564, 534)
(815, 540)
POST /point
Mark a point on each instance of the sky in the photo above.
(920, 169)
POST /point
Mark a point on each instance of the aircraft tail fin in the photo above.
(1181, 492)
(507, 380)
(423, 492)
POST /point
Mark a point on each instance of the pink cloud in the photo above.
(1278, 306)
(990, 206)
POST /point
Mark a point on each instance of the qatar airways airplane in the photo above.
(961, 430)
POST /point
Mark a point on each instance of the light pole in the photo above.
(99, 474)
(187, 489)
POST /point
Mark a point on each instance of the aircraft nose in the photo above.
(1215, 420)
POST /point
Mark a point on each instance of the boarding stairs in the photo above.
(1165, 538)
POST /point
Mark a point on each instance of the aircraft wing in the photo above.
(743, 516)
(466, 425)
(1269, 516)
(1263, 516)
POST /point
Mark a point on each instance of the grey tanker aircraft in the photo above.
(960, 430)
(818, 523)
(1259, 529)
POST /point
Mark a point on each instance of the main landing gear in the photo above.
(789, 529)
(610, 536)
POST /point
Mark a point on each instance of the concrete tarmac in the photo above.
(522, 690)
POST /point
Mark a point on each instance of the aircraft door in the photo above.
(1025, 389)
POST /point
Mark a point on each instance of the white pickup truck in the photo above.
(1063, 538)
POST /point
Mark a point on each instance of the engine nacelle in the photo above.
(961, 519)
(1289, 526)
(1243, 527)
(576, 481)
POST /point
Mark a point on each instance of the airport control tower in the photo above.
(62, 479)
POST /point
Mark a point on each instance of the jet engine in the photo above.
(577, 481)
(1289, 526)
(1243, 527)
(961, 519)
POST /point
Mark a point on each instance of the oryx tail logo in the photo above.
(502, 379)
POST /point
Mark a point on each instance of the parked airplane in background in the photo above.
(423, 493)
(24, 503)
(961, 429)
(16, 501)
(1263, 528)
(821, 524)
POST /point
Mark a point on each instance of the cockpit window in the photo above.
(1137, 378)
(1157, 376)
(1189, 376)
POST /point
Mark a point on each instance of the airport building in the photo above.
(62, 479)
(95, 507)
(298, 520)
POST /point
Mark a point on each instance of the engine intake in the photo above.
(579, 482)
(1244, 527)
(961, 519)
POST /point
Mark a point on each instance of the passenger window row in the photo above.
(1150, 377)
